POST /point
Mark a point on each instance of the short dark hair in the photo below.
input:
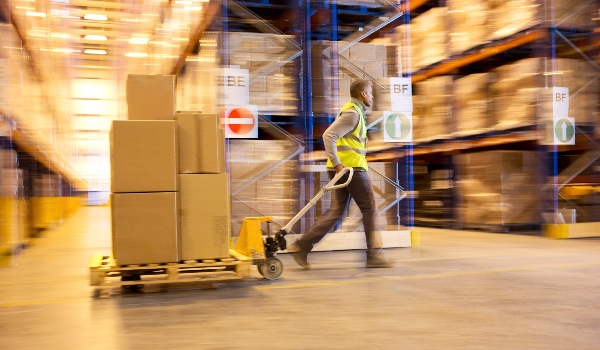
(358, 86)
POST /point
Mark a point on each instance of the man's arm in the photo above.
(342, 125)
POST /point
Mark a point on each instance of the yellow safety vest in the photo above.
(352, 147)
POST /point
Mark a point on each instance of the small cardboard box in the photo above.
(205, 216)
(201, 143)
(144, 227)
(143, 156)
(151, 97)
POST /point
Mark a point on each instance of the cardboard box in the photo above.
(151, 97)
(201, 143)
(144, 227)
(143, 156)
(205, 215)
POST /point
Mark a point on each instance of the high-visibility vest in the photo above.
(352, 147)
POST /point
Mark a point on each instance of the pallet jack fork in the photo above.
(264, 252)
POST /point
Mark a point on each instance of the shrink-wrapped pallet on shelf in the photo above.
(264, 180)
(429, 35)
(498, 188)
(469, 24)
(570, 14)
(581, 78)
(472, 101)
(358, 61)
(432, 114)
(273, 70)
(512, 16)
(517, 92)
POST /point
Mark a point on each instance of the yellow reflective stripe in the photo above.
(348, 148)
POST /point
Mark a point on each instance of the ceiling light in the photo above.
(95, 37)
(95, 17)
(193, 8)
(183, 2)
(94, 52)
(138, 40)
(35, 14)
(136, 54)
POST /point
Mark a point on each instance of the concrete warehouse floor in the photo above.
(458, 290)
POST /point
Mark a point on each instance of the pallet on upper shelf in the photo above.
(479, 53)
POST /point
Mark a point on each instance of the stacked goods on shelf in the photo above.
(358, 61)
(499, 188)
(432, 112)
(434, 195)
(9, 185)
(46, 201)
(469, 24)
(273, 82)
(263, 182)
(429, 38)
(472, 100)
(516, 92)
(512, 16)
(584, 89)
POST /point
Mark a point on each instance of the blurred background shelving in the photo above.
(480, 71)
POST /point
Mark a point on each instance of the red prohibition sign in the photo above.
(244, 127)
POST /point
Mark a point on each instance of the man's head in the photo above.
(362, 91)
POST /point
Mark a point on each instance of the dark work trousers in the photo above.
(361, 191)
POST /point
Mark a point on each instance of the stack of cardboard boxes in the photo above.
(472, 100)
(432, 114)
(429, 38)
(170, 198)
(499, 188)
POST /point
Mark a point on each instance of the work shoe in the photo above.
(299, 254)
(376, 258)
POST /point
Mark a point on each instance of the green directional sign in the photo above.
(397, 127)
(564, 131)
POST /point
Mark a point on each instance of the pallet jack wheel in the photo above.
(271, 269)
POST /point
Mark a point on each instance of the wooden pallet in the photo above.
(104, 273)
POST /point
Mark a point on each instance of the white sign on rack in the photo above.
(401, 94)
(236, 87)
(560, 102)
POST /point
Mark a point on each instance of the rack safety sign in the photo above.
(398, 124)
(240, 122)
(397, 127)
(560, 130)
(239, 119)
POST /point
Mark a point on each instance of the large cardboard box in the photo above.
(201, 143)
(151, 97)
(144, 227)
(143, 156)
(205, 216)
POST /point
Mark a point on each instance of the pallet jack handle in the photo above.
(331, 185)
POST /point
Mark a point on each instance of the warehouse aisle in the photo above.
(459, 290)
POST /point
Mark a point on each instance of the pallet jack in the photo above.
(264, 251)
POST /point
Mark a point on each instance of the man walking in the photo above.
(346, 146)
